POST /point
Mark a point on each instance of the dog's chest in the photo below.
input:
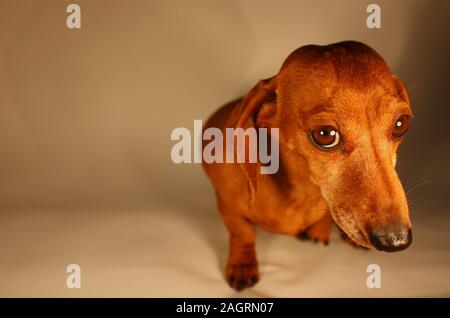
(289, 217)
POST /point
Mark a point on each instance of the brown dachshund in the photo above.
(341, 116)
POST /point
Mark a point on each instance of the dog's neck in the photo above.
(292, 180)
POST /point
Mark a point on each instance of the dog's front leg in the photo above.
(242, 266)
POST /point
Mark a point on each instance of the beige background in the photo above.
(85, 122)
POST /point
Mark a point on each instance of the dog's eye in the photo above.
(325, 136)
(401, 126)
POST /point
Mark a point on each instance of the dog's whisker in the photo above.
(411, 87)
(415, 85)
(417, 186)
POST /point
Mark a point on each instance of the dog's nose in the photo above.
(390, 240)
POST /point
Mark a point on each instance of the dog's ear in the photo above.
(262, 94)
(401, 89)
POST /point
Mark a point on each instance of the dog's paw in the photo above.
(346, 239)
(315, 234)
(240, 276)
(319, 231)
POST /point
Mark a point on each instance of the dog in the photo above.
(341, 115)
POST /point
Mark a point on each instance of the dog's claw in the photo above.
(304, 236)
(240, 277)
(241, 285)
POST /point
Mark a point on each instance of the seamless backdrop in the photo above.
(85, 122)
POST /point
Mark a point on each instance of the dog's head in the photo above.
(343, 114)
